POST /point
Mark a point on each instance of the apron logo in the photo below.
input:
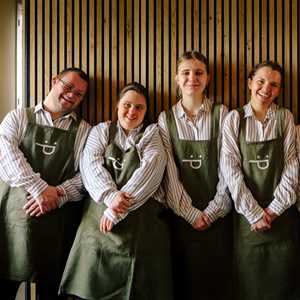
(47, 149)
(262, 164)
(116, 164)
(194, 163)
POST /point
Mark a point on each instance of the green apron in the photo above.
(267, 262)
(31, 248)
(132, 262)
(202, 259)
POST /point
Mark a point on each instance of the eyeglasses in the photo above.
(68, 87)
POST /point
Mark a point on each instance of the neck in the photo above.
(191, 104)
(260, 110)
(49, 107)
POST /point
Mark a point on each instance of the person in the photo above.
(195, 189)
(260, 166)
(40, 186)
(122, 247)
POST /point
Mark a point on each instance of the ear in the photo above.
(54, 80)
(208, 79)
(249, 83)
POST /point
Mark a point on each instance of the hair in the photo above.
(192, 55)
(140, 89)
(78, 71)
(267, 63)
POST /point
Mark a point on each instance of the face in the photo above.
(131, 110)
(265, 86)
(192, 77)
(67, 92)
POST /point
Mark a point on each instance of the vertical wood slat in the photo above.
(119, 41)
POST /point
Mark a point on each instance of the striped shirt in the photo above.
(16, 171)
(231, 161)
(298, 154)
(198, 129)
(145, 181)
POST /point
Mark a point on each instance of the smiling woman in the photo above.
(259, 162)
(122, 248)
(195, 190)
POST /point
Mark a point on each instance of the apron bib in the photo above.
(266, 262)
(132, 261)
(202, 260)
(32, 248)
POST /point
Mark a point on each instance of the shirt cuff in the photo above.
(111, 215)
(276, 207)
(63, 198)
(192, 215)
(37, 189)
(109, 198)
(212, 212)
(254, 215)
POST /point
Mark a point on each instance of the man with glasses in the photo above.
(40, 186)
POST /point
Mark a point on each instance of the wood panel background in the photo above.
(118, 41)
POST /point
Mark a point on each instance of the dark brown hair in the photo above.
(140, 89)
(192, 55)
(267, 63)
(78, 71)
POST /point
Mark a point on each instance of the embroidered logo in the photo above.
(262, 164)
(194, 162)
(47, 149)
(116, 163)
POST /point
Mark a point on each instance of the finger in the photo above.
(28, 204)
(35, 212)
(32, 208)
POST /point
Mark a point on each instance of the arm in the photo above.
(15, 170)
(231, 168)
(96, 178)
(220, 205)
(177, 198)
(285, 193)
(146, 179)
(298, 155)
(73, 188)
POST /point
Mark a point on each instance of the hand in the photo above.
(32, 207)
(202, 222)
(106, 224)
(269, 216)
(260, 225)
(121, 203)
(47, 201)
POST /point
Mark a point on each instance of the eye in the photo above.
(260, 81)
(126, 105)
(275, 84)
(140, 107)
(199, 73)
(185, 73)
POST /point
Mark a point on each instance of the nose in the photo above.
(192, 76)
(132, 109)
(267, 87)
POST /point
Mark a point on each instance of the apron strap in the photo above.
(279, 121)
(113, 131)
(30, 115)
(215, 121)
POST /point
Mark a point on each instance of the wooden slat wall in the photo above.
(118, 41)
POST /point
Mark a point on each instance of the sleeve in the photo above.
(285, 193)
(73, 188)
(231, 168)
(221, 204)
(146, 179)
(176, 196)
(96, 178)
(15, 170)
(298, 155)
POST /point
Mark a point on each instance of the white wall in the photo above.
(7, 55)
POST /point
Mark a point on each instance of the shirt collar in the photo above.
(132, 132)
(39, 107)
(269, 115)
(205, 107)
